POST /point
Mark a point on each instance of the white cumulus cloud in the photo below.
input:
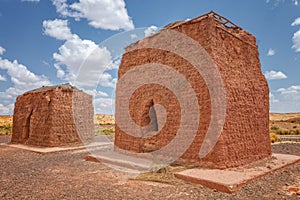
(22, 80)
(276, 3)
(4, 110)
(296, 36)
(96, 93)
(104, 14)
(104, 105)
(79, 61)
(57, 28)
(150, 31)
(21, 77)
(296, 41)
(84, 60)
(296, 2)
(289, 99)
(285, 99)
(292, 90)
(273, 75)
(273, 98)
(271, 52)
(64, 9)
(60, 73)
(133, 36)
(106, 80)
(296, 22)
(2, 78)
(2, 50)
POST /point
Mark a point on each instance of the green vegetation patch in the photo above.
(287, 132)
(108, 131)
(274, 128)
(103, 130)
(5, 130)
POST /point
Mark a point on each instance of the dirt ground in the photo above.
(66, 175)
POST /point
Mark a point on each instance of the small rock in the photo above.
(159, 169)
(4, 194)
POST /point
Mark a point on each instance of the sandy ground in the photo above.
(66, 175)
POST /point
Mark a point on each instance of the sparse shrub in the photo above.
(98, 130)
(5, 130)
(274, 128)
(108, 131)
(279, 132)
(292, 132)
(287, 132)
(106, 123)
(273, 137)
(294, 126)
(282, 132)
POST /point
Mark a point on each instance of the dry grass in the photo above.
(104, 129)
(284, 124)
(164, 174)
(104, 124)
(273, 137)
(5, 125)
(6, 120)
(99, 119)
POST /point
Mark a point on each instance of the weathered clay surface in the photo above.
(53, 116)
(245, 135)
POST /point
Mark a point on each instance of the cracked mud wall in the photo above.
(245, 135)
(45, 117)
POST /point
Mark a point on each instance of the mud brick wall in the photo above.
(245, 135)
(53, 116)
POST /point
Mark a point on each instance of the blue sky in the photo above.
(47, 42)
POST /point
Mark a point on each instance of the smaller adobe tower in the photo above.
(53, 116)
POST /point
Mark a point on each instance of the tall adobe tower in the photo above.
(244, 136)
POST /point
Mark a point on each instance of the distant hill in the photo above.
(110, 119)
(278, 122)
(103, 119)
(5, 120)
(283, 116)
